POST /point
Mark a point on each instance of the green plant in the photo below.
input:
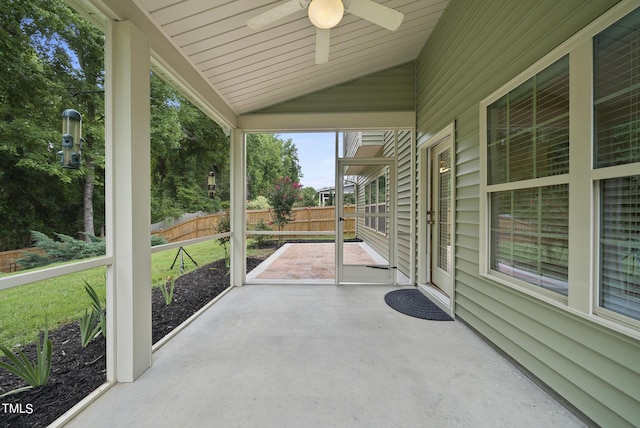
(259, 203)
(89, 327)
(284, 194)
(167, 290)
(66, 248)
(224, 226)
(36, 373)
(96, 309)
(260, 241)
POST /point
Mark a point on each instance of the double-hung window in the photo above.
(560, 174)
(527, 180)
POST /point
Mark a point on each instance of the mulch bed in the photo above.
(77, 371)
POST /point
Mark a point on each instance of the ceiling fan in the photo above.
(326, 14)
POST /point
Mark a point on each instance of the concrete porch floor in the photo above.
(324, 355)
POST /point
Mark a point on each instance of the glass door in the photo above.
(440, 218)
(365, 220)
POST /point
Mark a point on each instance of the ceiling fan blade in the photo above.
(323, 43)
(375, 12)
(272, 15)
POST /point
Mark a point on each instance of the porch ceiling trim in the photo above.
(277, 122)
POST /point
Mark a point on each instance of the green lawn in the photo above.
(63, 299)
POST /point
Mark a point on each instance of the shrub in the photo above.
(158, 240)
(66, 248)
(224, 226)
(260, 241)
(284, 194)
(36, 373)
(259, 203)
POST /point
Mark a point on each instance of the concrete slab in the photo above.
(302, 355)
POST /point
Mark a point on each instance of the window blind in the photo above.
(617, 142)
(620, 245)
(529, 235)
(528, 139)
(617, 93)
(528, 128)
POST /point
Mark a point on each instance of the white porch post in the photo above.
(238, 195)
(127, 64)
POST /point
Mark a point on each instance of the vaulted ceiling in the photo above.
(251, 70)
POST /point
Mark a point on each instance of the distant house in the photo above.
(326, 195)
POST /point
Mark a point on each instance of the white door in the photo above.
(371, 215)
(440, 216)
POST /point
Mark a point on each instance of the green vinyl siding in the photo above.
(476, 48)
(404, 202)
(387, 90)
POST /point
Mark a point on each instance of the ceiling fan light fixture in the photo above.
(325, 14)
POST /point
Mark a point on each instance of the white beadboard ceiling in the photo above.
(251, 70)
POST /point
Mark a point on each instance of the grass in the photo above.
(63, 299)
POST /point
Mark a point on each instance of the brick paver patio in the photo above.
(311, 261)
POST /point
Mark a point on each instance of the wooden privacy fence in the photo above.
(308, 219)
(8, 259)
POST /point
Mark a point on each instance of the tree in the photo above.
(308, 197)
(285, 193)
(50, 60)
(185, 146)
(270, 158)
(39, 65)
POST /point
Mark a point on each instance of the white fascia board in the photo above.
(338, 121)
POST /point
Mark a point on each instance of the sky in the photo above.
(316, 152)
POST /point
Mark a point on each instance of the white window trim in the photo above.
(583, 290)
(374, 180)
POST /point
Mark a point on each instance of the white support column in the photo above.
(238, 215)
(127, 65)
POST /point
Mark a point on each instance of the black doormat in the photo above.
(413, 303)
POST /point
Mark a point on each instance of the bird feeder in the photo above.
(71, 139)
(211, 184)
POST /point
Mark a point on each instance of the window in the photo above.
(528, 140)
(617, 144)
(382, 203)
(367, 203)
(375, 202)
(541, 201)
